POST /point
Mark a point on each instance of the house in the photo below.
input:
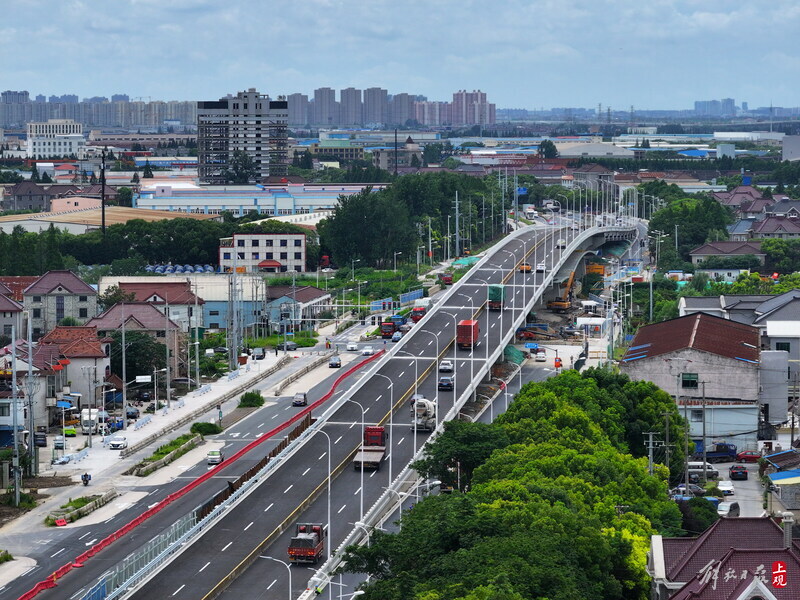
(784, 208)
(87, 365)
(738, 195)
(26, 195)
(172, 298)
(55, 296)
(591, 175)
(740, 230)
(738, 558)
(722, 381)
(407, 155)
(727, 250)
(781, 228)
(308, 301)
(10, 314)
(144, 317)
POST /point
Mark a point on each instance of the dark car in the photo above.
(335, 362)
(300, 399)
(446, 383)
(694, 490)
(738, 472)
(287, 346)
(143, 396)
(40, 440)
(132, 412)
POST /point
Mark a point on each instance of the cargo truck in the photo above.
(387, 329)
(467, 332)
(424, 415)
(715, 452)
(308, 543)
(89, 420)
(372, 451)
(445, 279)
(417, 313)
(497, 296)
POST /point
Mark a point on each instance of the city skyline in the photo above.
(656, 55)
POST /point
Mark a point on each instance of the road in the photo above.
(57, 546)
(258, 525)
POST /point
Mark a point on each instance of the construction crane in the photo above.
(564, 303)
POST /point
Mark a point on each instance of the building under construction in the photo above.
(250, 122)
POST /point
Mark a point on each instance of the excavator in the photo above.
(564, 303)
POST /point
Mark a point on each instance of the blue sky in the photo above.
(524, 54)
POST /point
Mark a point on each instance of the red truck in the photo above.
(417, 313)
(445, 279)
(387, 329)
(372, 451)
(307, 544)
(467, 332)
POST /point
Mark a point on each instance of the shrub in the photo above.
(205, 428)
(162, 451)
(251, 400)
(5, 556)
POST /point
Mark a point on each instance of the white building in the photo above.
(56, 138)
(263, 252)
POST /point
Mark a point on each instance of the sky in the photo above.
(650, 54)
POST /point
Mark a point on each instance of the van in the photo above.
(561, 243)
(728, 509)
(699, 466)
(215, 457)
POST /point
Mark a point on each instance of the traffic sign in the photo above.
(532, 346)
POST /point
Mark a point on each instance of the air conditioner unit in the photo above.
(50, 402)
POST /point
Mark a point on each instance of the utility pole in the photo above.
(676, 237)
(666, 443)
(430, 242)
(103, 190)
(14, 423)
(705, 445)
(166, 346)
(124, 374)
(29, 388)
(649, 435)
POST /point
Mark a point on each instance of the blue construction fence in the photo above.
(383, 304)
(411, 296)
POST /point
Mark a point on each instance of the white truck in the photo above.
(89, 420)
(424, 415)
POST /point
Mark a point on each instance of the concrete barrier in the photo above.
(157, 464)
(295, 376)
(76, 514)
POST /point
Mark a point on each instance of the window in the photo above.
(785, 346)
(696, 415)
(298, 243)
(37, 298)
(284, 243)
(83, 313)
(5, 409)
(83, 298)
(37, 313)
(689, 380)
(298, 255)
(256, 243)
(284, 255)
(213, 313)
(51, 386)
(240, 243)
(240, 255)
(161, 334)
(37, 333)
(59, 308)
(255, 255)
(268, 242)
(226, 255)
(268, 255)
(7, 330)
(213, 325)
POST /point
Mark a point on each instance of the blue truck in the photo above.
(715, 452)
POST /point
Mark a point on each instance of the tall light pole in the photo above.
(360, 283)
(353, 268)
(391, 420)
(436, 358)
(288, 568)
(363, 429)
(472, 352)
(394, 258)
(419, 256)
(329, 544)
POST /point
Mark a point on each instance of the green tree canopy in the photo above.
(547, 149)
(142, 354)
(114, 295)
(241, 169)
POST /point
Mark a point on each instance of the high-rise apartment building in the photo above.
(433, 113)
(13, 97)
(401, 109)
(471, 108)
(324, 111)
(350, 107)
(376, 106)
(249, 122)
(298, 109)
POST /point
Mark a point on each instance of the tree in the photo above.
(69, 322)
(148, 171)
(547, 149)
(241, 169)
(93, 179)
(125, 196)
(34, 174)
(306, 160)
(143, 354)
(45, 178)
(135, 178)
(415, 161)
(114, 295)
(432, 153)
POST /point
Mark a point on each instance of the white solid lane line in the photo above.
(305, 472)
(228, 544)
(266, 509)
(341, 509)
(249, 526)
(337, 439)
(274, 581)
(204, 566)
(321, 456)
(288, 488)
(175, 593)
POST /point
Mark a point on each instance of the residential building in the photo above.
(337, 149)
(783, 208)
(300, 306)
(778, 228)
(248, 122)
(727, 250)
(721, 379)
(55, 138)
(55, 296)
(401, 109)
(263, 252)
(472, 108)
(738, 195)
(405, 156)
(26, 195)
(376, 106)
(324, 110)
(10, 314)
(144, 317)
(592, 175)
(351, 111)
(433, 113)
(174, 299)
(733, 559)
(298, 109)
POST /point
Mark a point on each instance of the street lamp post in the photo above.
(363, 429)
(329, 489)
(360, 283)
(394, 258)
(288, 568)
(353, 268)
(472, 352)
(391, 420)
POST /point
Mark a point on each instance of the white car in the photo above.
(118, 442)
(541, 356)
(540, 268)
(367, 351)
(446, 366)
(352, 347)
(726, 487)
